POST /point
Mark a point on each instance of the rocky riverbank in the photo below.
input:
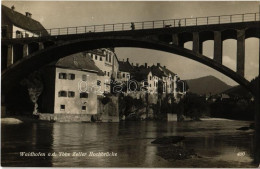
(171, 150)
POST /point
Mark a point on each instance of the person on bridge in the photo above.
(132, 26)
(179, 23)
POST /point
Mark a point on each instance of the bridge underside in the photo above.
(23, 67)
(26, 55)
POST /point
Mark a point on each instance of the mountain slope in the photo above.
(206, 85)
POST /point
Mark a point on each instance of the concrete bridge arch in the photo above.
(33, 61)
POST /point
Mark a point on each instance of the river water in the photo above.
(129, 144)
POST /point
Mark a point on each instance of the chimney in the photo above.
(132, 64)
(145, 65)
(28, 14)
(123, 60)
(13, 8)
(127, 59)
(158, 64)
(137, 64)
(164, 67)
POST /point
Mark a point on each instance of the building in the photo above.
(170, 81)
(17, 25)
(70, 86)
(125, 70)
(106, 60)
(157, 79)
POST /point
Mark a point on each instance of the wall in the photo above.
(108, 112)
(65, 117)
(106, 66)
(74, 104)
(30, 34)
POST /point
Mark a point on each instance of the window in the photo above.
(62, 107)
(71, 94)
(99, 83)
(108, 74)
(106, 58)
(83, 108)
(150, 77)
(71, 76)
(150, 85)
(62, 76)
(109, 58)
(84, 95)
(62, 94)
(100, 58)
(19, 34)
(84, 77)
(123, 75)
(96, 57)
(105, 72)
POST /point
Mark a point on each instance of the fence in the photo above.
(182, 22)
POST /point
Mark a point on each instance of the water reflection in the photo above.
(130, 140)
(26, 138)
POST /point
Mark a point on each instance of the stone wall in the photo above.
(108, 109)
(65, 117)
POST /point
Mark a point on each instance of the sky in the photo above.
(82, 13)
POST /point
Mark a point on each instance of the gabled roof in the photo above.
(78, 61)
(125, 66)
(167, 71)
(23, 21)
(156, 71)
(141, 73)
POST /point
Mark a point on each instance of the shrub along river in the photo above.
(217, 143)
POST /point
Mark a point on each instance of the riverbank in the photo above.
(43, 117)
(18, 119)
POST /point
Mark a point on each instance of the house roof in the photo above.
(23, 21)
(125, 66)
(156, 71)
(141, 73)
(78, 61)
(167, 71)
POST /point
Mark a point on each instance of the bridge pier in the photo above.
(197, 43)
(25, 50)
(9, 55)
(257, 130)
(218, 47)
(175, 39)
(17, 52)
(241, 52)
(41, 46)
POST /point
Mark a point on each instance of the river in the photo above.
(129, 144)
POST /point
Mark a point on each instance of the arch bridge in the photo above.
(21, 56)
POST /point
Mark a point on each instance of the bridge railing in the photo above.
(170, 23)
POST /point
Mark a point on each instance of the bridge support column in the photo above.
(41, 46)
(9, 55)
(197, 44)
(25, 50)
(241, 52)
(257, 128)
(218, 47)
(175, 39)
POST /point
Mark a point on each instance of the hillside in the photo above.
(206, 85)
